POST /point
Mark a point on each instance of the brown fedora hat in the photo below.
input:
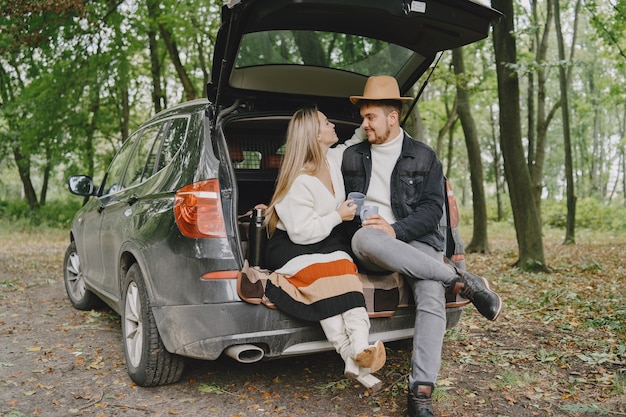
(380, 87)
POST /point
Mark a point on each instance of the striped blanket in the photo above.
(383, 294)
(315, 287)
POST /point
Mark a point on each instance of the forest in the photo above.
(530, 123)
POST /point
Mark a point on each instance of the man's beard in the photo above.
(378, 139)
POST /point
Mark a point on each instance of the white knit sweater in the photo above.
(308, 212)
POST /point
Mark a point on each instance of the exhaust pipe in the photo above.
(245, 353)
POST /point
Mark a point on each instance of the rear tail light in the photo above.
(458, 257)
(452, 207)
(198, 210)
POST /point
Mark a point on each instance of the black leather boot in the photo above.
(477, 290)
(420, 403)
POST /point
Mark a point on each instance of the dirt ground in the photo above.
(541, 358)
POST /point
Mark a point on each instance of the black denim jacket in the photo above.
(417, 188)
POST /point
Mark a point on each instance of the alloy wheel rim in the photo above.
(133, 325)
(75, 279)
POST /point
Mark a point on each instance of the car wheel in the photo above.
(80, 297)
(148, 362)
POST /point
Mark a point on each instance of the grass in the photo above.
(559, 348)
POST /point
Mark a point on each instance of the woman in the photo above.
(315, 278)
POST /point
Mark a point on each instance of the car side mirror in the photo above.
(81, 185)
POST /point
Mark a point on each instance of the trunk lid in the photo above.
(269, 52)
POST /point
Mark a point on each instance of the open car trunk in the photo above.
(255, 144)
(324, 50)
(273, 57)
(256, 147)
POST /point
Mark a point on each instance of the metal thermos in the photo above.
(256, 239)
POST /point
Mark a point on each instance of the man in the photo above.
(404, 178)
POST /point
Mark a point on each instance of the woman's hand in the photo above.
(347, 210)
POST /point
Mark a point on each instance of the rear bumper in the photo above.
(205, 331)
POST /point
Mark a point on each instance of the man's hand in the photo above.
(379, 223)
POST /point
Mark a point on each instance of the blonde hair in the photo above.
(303, 155)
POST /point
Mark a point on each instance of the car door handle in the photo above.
(132, 199)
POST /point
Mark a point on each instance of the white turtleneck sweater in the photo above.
(308, 212)
(384, 158)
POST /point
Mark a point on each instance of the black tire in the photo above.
(149, 363)
(75, 287)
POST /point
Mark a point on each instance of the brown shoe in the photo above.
(372, 357)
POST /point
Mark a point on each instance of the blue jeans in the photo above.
(428, 277)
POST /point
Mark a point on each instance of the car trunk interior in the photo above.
(256, 148)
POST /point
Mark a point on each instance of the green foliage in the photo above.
(335, 386)
(467, 214)
(615, 321)
(549, 356)
(56, 214)
(590, 214)
(212, 389)
(68, 67)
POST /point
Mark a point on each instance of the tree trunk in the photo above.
(155, 71)
(202, 60)
(125, 122)
(479, 242)
(414, 124)
(618, 175)
(48, 153)
(311, 49)
(570, 232)
(624, 174)
(90, 132)
(450, 154)
(536, 160)
(525, 216)
(597, 175)
(496, 164)
(155, 65)
(623, 154)
(206, 76)
(172, 49)
(44, 185)
(23, 167)
(452, 116)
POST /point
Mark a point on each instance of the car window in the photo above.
(149, 169)
(256, 152)
(250, 160)
(340, 51)
(113, 179)
(172, 141)
(139, 162)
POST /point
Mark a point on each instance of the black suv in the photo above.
(163, 236)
